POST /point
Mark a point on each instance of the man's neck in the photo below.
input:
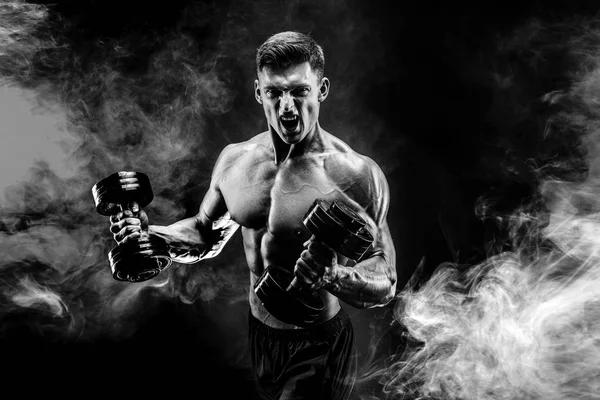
(311, 143)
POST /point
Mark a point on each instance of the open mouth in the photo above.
(290, 122)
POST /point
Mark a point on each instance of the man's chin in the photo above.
(290, 137)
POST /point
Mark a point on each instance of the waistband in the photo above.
(325, 330)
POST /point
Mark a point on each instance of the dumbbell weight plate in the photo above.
(135, 277)
(347, 216)
(325, 226)
(339, 227)
(139, 260)
(356, 245)
(109, 194)
(297, 308)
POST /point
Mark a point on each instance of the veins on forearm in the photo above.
(185, 243)
(191, 241)
(367, 284)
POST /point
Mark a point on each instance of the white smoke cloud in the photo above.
(523, 324)
(69, 122)
(33, 133)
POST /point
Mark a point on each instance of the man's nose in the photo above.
(287, 102)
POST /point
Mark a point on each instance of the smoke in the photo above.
(72, 117)
(523, 324)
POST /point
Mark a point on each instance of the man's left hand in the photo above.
(317, 266)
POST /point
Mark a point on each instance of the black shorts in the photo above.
(318, 363)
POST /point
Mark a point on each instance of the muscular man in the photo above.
(266, 185)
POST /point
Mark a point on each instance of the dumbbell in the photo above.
(340, 228)
(140, 259)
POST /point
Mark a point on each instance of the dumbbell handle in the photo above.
(130, 207)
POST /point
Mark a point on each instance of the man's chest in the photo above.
(277, 198)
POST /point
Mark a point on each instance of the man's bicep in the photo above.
(212, 208)
(383, 244)
(213, 205)
(380, 196)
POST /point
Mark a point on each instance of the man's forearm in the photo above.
(370, 283)
(186, 243)
(190, 241)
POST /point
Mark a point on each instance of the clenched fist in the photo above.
(318, 264)
(132, 222)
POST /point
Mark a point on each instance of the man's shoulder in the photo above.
(359, 177)
(253, 146)
(344, 160)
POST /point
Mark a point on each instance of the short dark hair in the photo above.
(288, 48)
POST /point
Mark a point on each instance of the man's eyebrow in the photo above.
(286, 87)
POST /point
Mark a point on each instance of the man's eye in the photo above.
(302, 91)
(272, 93)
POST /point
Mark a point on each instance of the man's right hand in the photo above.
(129, 224)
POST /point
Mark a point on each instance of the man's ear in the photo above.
(257, 94)
(324, 89)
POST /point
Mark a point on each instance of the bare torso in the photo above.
(269, 202)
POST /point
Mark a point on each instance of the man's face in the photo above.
(291, 98)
